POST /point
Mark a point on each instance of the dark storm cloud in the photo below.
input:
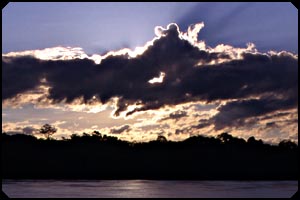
(115, 76)
(184, 81)
(19, 75)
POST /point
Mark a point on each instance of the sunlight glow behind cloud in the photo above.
(169, 81)
(159, 79)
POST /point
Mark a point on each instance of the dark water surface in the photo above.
(147, 188)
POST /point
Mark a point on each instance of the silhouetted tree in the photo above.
(73, 136)
(251, 140)
(225, 137)
(97, 133)
(48, 130)
(85, 134)
(288, 144)
(161, 138)
(104, 138)
(199, 157)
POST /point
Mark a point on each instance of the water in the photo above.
(147, 188)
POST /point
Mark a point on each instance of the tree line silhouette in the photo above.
(97, 156)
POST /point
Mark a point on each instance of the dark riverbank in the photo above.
(197, 158)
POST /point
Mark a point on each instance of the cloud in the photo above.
(250, 83)
(20, 128)
(29, 130)
(54, 53)
(271, 125)
(235, 114)
(120, 130)
(175, 115)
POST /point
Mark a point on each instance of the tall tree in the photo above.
(48, 130)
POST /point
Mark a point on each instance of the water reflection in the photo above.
(148, 188)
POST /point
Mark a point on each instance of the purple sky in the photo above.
(217, 76)
(97, 27)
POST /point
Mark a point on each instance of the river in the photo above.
(147, 188)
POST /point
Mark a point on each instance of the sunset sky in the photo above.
(139, 70)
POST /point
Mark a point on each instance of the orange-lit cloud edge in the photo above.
(175, 122)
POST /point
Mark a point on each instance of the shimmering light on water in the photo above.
(147, 188)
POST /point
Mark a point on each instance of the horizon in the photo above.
(160, 138)
(182, 73)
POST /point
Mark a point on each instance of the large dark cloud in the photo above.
(255, 75)
(19, 75)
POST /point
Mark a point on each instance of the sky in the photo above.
(139, 70)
